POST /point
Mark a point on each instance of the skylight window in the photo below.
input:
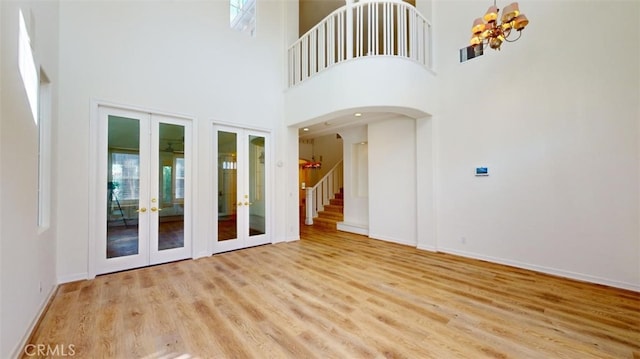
(242, 15)
(27, 66)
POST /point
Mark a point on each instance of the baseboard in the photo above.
(391, 239)
(293, 238)
(427, 248)
(547, 270)
(73, 278)
(19, 350)
(353, 228)
(202, 255)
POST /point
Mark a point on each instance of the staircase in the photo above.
(325, 200)
(332, 213)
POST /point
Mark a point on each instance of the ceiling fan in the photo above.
(169, 147)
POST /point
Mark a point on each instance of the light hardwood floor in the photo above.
(338, 295)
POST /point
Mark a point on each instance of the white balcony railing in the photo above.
(358, 29)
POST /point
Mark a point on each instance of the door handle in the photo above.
(141, 210)
(154, 209)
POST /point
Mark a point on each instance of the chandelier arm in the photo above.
(487, 31)
(516, 39)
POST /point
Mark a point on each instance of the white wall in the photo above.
(305, 149)
(287, 143)
(173, 57)
(392, 180)
(555, 118)
(425, 185)
(2, 31)
(426, 9)
(27, 255)
(290, 194)
(328, 150)
(399, 86)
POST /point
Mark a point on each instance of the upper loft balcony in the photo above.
(368, 55)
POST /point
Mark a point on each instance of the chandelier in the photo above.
(486, 30)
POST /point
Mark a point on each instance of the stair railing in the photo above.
(358, 29)
(320, 195)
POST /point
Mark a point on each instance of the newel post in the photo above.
(308, 220)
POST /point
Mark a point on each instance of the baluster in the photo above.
(305, 57)
(349, 31)
(330, 41)
(412, 36)
(420, 41)
(355, 31)
(340, 38)
(314, 52)
(369, 30)
(359, 31)
(402, 31)
(429, 61)
(321, 47)
(316, 208)
(390, 29)
(298, 62)
(378, 12)
(424, 34)
(290, 68)
(385, 36)
(331, 192)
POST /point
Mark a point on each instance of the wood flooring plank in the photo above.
(339, 295)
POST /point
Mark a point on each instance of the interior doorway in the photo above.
(241, 179)
(143, 192)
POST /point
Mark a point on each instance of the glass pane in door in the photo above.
(256, 185)
(123, 186)
(227, 186)
(170, 204)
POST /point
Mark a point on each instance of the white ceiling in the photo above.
(333, 125)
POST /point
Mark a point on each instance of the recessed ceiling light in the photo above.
(357, 114)
(305, 129)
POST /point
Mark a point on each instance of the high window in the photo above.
(38, 90)
(27, 66)
(242, 15)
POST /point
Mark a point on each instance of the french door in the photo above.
(241, 180)
(144, 189)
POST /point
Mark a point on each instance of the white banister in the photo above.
(318, 196)
(358, 29)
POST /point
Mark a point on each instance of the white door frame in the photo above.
(95, 193)
(243, 241)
